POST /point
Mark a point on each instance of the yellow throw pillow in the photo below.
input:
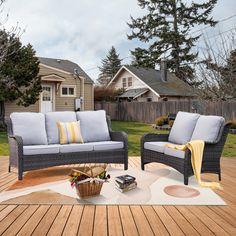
(70, 132)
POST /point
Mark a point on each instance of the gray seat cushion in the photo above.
(77, 147)
(174, 152)
(51, 124)
(93, 125)
(183, 127)
(41, 149)
(208, 128)
(107, 145)
(155, 146)
(30, 126)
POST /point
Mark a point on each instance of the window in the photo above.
(129, 81)
(124, 83)
(68, 91)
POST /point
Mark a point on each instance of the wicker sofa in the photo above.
(187, 126)
(34, 141)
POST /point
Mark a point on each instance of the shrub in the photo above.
(233, 124)
(162, 120)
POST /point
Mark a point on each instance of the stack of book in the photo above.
(125, 183)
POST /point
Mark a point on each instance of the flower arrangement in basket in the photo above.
(88, 181)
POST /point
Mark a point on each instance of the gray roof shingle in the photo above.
(172, 87)
(65, 65)
(131, 93)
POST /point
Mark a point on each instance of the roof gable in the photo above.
(65, 65)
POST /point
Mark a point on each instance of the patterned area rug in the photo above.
(160, 186)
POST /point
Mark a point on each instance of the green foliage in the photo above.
(171, 122)
(106, 94)
(110, 65)
(162, 120)
(19, 75)
(166, 31)
(233, 124)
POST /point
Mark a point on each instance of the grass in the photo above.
(135, 130)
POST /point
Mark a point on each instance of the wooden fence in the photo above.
(147, 112)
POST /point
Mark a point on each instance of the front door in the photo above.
(46, 99)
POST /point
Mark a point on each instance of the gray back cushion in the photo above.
(30, 126)
(51, 124)
(183, 127)
(93, 125)
(208, 128)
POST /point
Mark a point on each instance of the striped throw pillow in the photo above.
(70, 132)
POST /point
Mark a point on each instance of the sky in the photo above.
(84, 30)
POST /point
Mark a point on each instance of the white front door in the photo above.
(46, 99)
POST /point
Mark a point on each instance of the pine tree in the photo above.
(166, 30)
(110, 65)
(19, 80)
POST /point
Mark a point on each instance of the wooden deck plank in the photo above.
(6, 211)
(194, 221)
(185, 226)
(212, 225)
(114, 221)
(34, 220)
(86, 224)
(72, 225)
(60, 221)
(156, 224)
(20, 221)
(128, 223)
(46, 222)
(141, 221)
(100, 221)
(8, 220)
(167, 220)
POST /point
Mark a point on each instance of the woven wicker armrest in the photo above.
(119, 136)
(154, 137)
(16, 142)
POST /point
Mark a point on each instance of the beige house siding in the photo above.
(88, 97)
(13, 107)
(61, 103)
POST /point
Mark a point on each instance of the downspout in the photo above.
(82, 92)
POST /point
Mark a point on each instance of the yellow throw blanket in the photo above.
(196, 148)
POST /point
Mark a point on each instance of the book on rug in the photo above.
(125, 183)
(125, 179)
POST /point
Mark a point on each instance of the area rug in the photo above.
(160, 186)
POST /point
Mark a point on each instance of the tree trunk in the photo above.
(2, 116)
(176, 43)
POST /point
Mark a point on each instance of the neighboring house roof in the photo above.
(65, 65)
(152, 78)
(133, 93)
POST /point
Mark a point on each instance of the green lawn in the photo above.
(134, 130)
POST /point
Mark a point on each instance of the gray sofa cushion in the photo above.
(93, 125)
(183, 127)
(208, 128)
(51, 124)
(155, 146)
(41, 149)
(77, 147)
(107, 145)
(30, 126)
(174, 152)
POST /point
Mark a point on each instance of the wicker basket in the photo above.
(87, 189)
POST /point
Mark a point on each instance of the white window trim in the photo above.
(68, 86)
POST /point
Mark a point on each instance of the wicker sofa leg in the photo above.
(219, 175)
(9, 168)
(185, 180)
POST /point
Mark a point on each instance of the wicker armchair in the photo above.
(211, 156)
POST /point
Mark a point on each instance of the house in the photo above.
(143, 84)
(65, 87)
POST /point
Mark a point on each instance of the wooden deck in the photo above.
(122, 220)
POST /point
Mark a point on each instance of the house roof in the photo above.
(133, 93)
(152, 78)
(65, 65)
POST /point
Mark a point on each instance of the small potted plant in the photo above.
(88, 181)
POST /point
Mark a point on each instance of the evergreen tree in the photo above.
(19, 78)
(110, 65)
(166, 29)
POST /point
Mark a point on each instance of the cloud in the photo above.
(82, 31)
